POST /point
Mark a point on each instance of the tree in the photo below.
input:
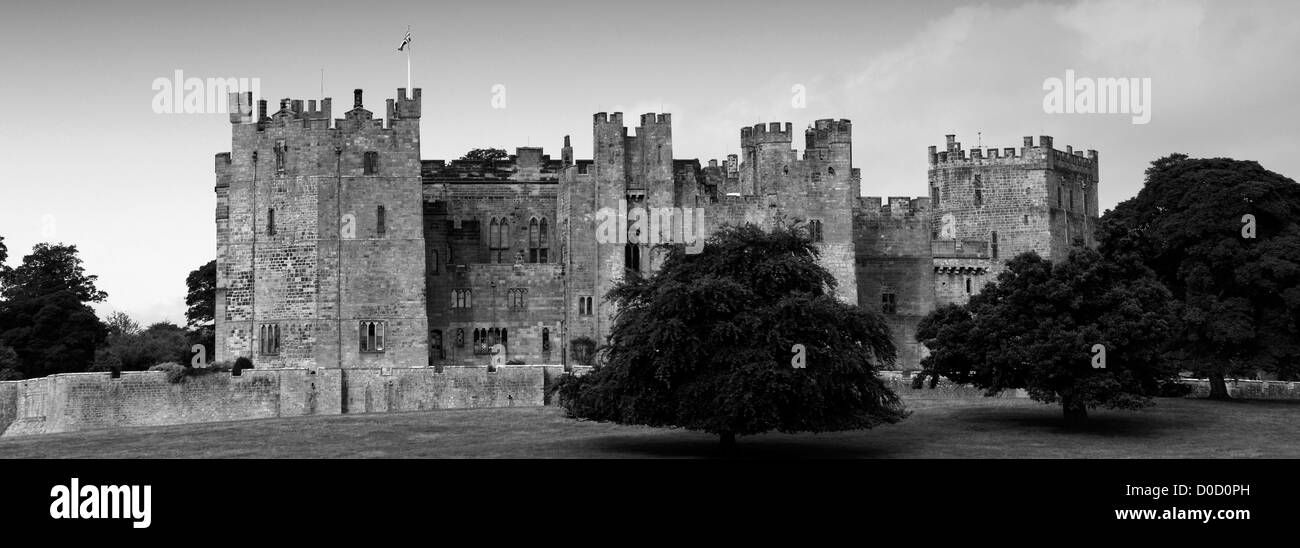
(4, 255)
(132, 349)
(485, 155)
(201, 297)
(44, 316)
(1039, 325)
(1223, 235)
(706, 344)
(9, 365)
(202, 302)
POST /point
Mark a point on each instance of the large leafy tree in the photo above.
(201, 295)
(1038, 326)
(1238, 296)
(706, 344)
(201, 299)
(44, 316)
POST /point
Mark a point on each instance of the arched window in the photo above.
(534, 238)
(372, 336)
(967, 286)
(371, 163)
(994, 244)
(830, 170)
(494, 234)
(381, 221)
(270, 222)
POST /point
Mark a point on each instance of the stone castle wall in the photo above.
(81, 401)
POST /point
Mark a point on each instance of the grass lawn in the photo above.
(971, 428)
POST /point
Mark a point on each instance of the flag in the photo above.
(405, 41)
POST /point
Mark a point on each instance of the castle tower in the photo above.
(320, 249)
(992, 205)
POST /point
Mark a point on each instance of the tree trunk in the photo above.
(1218, 388)
(1076, 412)
(728, 442)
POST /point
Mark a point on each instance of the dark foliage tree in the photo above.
(44, 316)
(1036, 328)
(706, 344)
(1238, 297)
(485, 154)
(201, 296)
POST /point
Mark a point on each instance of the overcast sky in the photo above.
(88, 162)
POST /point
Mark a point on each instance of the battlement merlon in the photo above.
(771, 133)
(1044, 151)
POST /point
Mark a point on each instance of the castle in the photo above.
(339, 247)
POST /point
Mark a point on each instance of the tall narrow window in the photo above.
(584, 305)
(934, 197)
(979, 191)
(370, 165)
(542, 242)
(533, 238)
(505, 337)
(494, 234)
(994, 244)
(280, 150)
(381, 221)
(1071, 199)
(815, 230)
(270, 222)
(460, 337)
(546, 339)
(632, 257)
(968, 286)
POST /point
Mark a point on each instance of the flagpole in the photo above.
(409, 89)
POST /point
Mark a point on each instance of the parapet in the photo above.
(954, 154)
(611, 119)
(318, 115)
(894, 206)
(650, 119)
(761, 134)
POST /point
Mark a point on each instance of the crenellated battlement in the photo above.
(953, 153)
(602, 118)
(319, 115)
(772, 133)
(652, 119)
(893, 207)
(826, 132)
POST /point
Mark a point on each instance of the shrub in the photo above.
(176, 372)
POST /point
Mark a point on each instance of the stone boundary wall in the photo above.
(1248, 389)
(80, 401)
(901, 383)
